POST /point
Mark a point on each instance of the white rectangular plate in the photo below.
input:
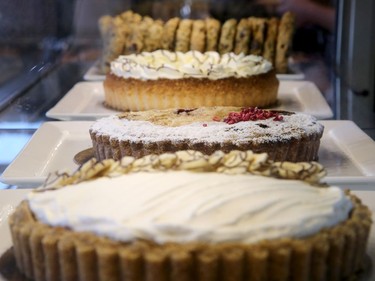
(50, 149)
(9, 199)
(94, 74)
(85, 101)
(346, 151)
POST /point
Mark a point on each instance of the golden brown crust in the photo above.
(284, 41)
(258, 26)
(135, 41)
(336, 253)
(269, 50)
(183, 34)
(168, 39)
(124, 34)
(133, 35)
(227, 36)
(213, 27)
(243, 35)
(152, 40)
(130, 16)
(133, 94)
(198, 36)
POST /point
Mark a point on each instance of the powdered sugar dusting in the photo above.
(261, 131)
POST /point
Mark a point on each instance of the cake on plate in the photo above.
(163, 79)
(130, 33)
(285, 136)
(189, 216)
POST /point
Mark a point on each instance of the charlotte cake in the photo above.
(164, 79)
(155, 219)
(285, 136)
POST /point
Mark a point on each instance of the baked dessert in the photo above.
(164, 79)
(117, 34)
(132, 221)
(213, 28)
(169, 34)
(258, 27)
(183, 35)
(198, 36)
(152, 38)
(127, 33)
(243, 35)
(227, 36)
(284, 42)
(269, 50)
(285, 136)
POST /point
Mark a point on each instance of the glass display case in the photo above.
(51, 92)
(47, 48)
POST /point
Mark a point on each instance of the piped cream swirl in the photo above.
(184, 207)
(193, 64)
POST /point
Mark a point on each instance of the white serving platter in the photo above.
(85, 101)
(348, 154)
(9, 199)
(51, 148)
(95, 74)
(291, 76)
(346, 151)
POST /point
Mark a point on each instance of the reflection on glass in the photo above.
(185, 10)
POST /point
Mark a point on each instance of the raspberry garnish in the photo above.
(251, 114)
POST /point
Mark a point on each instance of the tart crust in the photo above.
(136, 94)
(301, 147)
(51, 253)
(304, 149)
(45, 252)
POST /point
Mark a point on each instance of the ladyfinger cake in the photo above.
(189, 216)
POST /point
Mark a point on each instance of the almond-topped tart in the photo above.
(188, 216)
(164, 79)
(285, 136)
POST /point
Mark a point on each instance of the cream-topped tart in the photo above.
(283, 135)
(189, 216)
(192, 207)
(164, 79)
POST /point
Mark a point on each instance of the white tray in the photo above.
(9, 199)
(85, 101)
(348, 154)
(346, 151)
(50, 149)
(94, 74)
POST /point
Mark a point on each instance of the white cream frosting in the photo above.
(178, 65)
(292, 126)
(184, 206)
